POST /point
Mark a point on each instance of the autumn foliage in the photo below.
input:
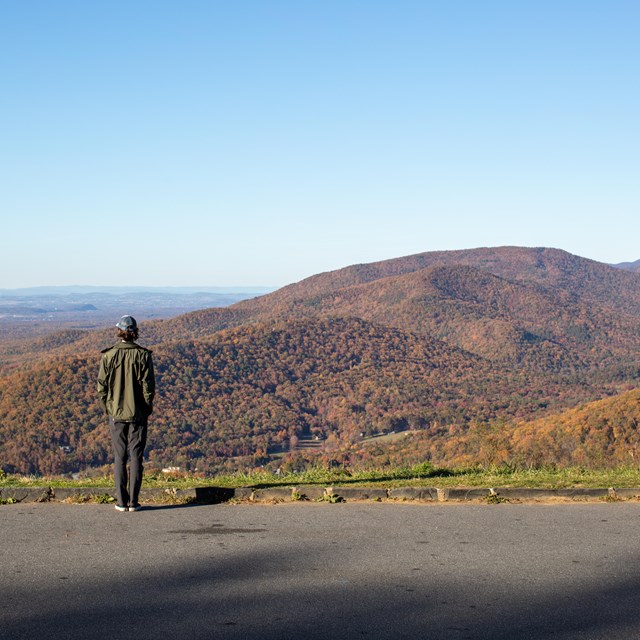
(483, 357)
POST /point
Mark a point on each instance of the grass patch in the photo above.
(423, 475)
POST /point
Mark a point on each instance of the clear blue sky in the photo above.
(257, 142)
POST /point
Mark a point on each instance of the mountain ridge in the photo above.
(513, 333)
(629, 266)
(594, 303)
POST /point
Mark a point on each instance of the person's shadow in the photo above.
(158, 507)
(204, 496)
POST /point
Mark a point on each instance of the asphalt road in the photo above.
(310, 571)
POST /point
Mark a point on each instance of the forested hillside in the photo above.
(462, 348)
(593, 435)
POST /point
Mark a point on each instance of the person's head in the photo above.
(127, 328)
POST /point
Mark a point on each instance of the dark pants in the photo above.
(129, 440)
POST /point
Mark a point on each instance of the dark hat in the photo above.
(127, 323)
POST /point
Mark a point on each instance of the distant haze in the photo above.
(37, 311)
(79, 289)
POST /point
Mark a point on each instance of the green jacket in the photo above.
(126, 383)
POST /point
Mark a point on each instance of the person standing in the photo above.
(126, 388)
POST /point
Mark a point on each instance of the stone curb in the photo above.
(25, 494)
(217, 495)
(358, 493)
(272, 494)
(310, 492)
(414, 493)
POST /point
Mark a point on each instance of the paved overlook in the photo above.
(355, 570)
